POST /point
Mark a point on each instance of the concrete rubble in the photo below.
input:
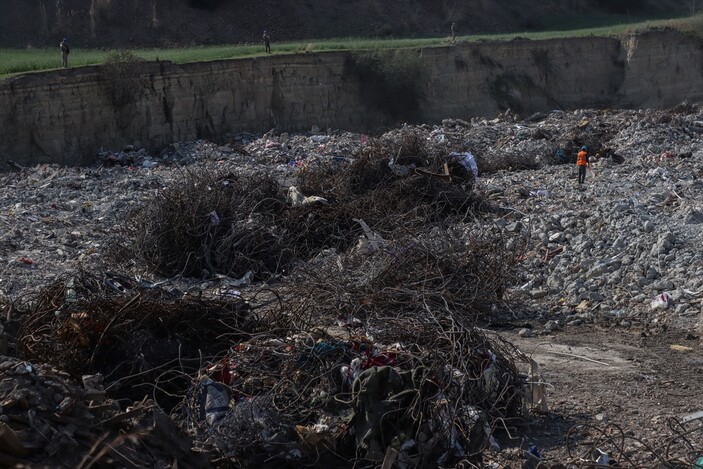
(628, 235)
(621, 250)
(49, 418)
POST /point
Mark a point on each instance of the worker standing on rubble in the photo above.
(582, 163)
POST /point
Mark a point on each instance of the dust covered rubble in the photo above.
(607, 250)
(48, 419)
(630, 234)
(55, 219)
(602, 252)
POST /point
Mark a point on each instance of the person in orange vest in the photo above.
(582, 163)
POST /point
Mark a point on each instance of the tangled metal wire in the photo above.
(406, 313)
(85, 323)
(49, 420)
(208, 222)
(368, 351)
(617, 448)
(313, 399)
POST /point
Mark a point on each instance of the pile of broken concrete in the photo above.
(622, 249)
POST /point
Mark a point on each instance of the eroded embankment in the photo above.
(66, 116)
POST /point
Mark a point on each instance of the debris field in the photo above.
(433, 296)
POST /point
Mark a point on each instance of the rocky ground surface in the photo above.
(610, 289)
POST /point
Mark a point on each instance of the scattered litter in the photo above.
(693, 416)
(539, 193)
(600, 457)
(282, 373)
(296, 198)
(466, 159)
(662, 301)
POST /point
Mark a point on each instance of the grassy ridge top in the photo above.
(14, 61)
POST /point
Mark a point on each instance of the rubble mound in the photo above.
(311, 398)
(50, 421)
(328, 298)
(142, 338)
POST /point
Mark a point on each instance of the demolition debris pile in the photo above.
(313, 299)
(48, 418)
(130, 333)
(270, 387)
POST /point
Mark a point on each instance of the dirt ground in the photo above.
(626, 380)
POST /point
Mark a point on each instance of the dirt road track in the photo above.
(634, 380)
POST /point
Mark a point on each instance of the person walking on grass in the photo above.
(582, 163)
(267, 41)
(64, 52)
(453, 30)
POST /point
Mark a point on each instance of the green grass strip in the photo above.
(14, 61)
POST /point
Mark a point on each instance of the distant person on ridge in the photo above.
(582, 163)
(267, 41)
(64, 52)
(453, 30)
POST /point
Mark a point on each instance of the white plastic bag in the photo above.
(662, 302)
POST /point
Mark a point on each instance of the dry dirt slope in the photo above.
(132, 23)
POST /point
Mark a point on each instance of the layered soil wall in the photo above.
(67, 116)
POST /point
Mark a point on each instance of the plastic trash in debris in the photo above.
(539, 193)
(148, 164)
(699, 463)
(477, 418)
(490, 377)
(370, 242)
(351, 372)
(590, 173)
(662, 301)
(349, 322)
(214, 218)
(322, 349)
(467, 160)
(114, 285)
(693, 416)
(538, 388)
(600, 457)
(231, 293)
(214, 400)
(534, 451)
(244, 281)
(296, 198)
(533, 458)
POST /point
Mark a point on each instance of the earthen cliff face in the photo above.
(67, 116)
